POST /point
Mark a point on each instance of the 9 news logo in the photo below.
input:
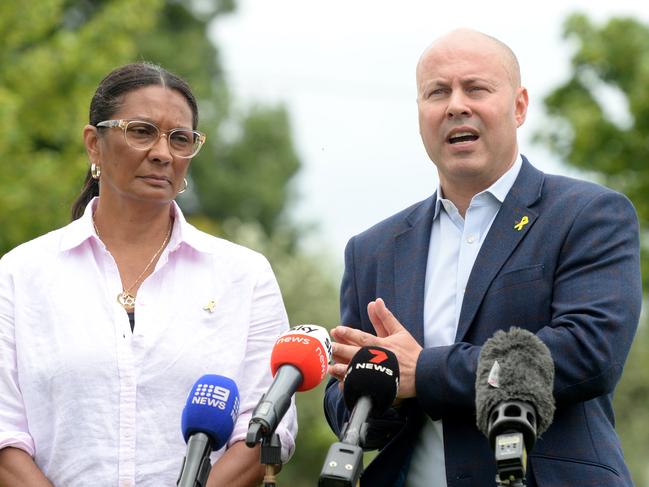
(211, 395)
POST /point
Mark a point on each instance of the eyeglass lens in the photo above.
(143, 135)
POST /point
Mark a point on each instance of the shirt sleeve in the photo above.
(268, 320)
(13, 419)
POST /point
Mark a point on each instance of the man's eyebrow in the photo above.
(477, 79)
(433, 82)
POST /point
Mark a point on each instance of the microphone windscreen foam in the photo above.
(212, 408)
(524, 372)
(373, 372)
(307, 348)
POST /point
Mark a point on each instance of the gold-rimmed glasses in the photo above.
(142, 135)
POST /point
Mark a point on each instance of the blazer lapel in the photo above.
(513, 221)
(410, 259)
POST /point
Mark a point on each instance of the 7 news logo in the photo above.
(211, 395)
(378, 357)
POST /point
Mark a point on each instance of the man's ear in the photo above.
(520, 107)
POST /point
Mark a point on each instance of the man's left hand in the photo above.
(390, 334)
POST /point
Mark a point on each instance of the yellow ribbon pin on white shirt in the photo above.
(211, 304)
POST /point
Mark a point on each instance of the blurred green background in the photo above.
(54, 52)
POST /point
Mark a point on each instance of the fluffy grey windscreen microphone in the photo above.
(524, 372)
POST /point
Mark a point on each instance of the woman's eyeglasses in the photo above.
(141, 135)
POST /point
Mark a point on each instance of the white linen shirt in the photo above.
(95, 404)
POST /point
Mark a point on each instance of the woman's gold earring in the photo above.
(95, 171)
(184, 187)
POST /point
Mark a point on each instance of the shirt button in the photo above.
(470, 239)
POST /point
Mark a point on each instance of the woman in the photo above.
(105, 324)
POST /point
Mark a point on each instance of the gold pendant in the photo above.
(127, 300)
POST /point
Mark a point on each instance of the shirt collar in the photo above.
(79, 230)
(501, 187)
(82, 229)
(186, 234)
(498, 189)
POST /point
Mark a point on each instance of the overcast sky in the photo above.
(345, 71)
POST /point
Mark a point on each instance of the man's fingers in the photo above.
(340, 335)
(376, 320)
(337, 371)
(383, 315)
(351, 336)
(343, 353)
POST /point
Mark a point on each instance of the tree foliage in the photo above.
(51, 67)
(600, 124)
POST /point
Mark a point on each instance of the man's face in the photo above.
(469, 109)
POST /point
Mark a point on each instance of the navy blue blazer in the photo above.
(571, 275)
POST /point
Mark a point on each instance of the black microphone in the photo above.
(370, 387)
(514, 402)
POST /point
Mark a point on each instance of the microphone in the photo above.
(299, 363)
(207, 422)
(514, 401)
(370, 386)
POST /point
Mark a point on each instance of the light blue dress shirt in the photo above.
(454, 246)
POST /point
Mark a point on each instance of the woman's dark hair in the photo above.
(109, 97)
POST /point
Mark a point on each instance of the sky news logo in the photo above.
(211, 395)
(318, 332)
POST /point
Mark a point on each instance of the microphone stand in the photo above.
(512, 432)
(271, 457)
(270, 454)
(512, 465)
(344, 462)
(511, 459)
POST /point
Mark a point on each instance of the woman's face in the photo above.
(128, 174)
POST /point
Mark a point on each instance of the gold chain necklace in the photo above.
(126, 298)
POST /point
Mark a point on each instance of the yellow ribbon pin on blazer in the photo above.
(524, 221)
(211, 304)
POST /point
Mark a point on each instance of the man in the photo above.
(499, 244)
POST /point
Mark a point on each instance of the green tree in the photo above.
(599, 122)
(51, 66)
